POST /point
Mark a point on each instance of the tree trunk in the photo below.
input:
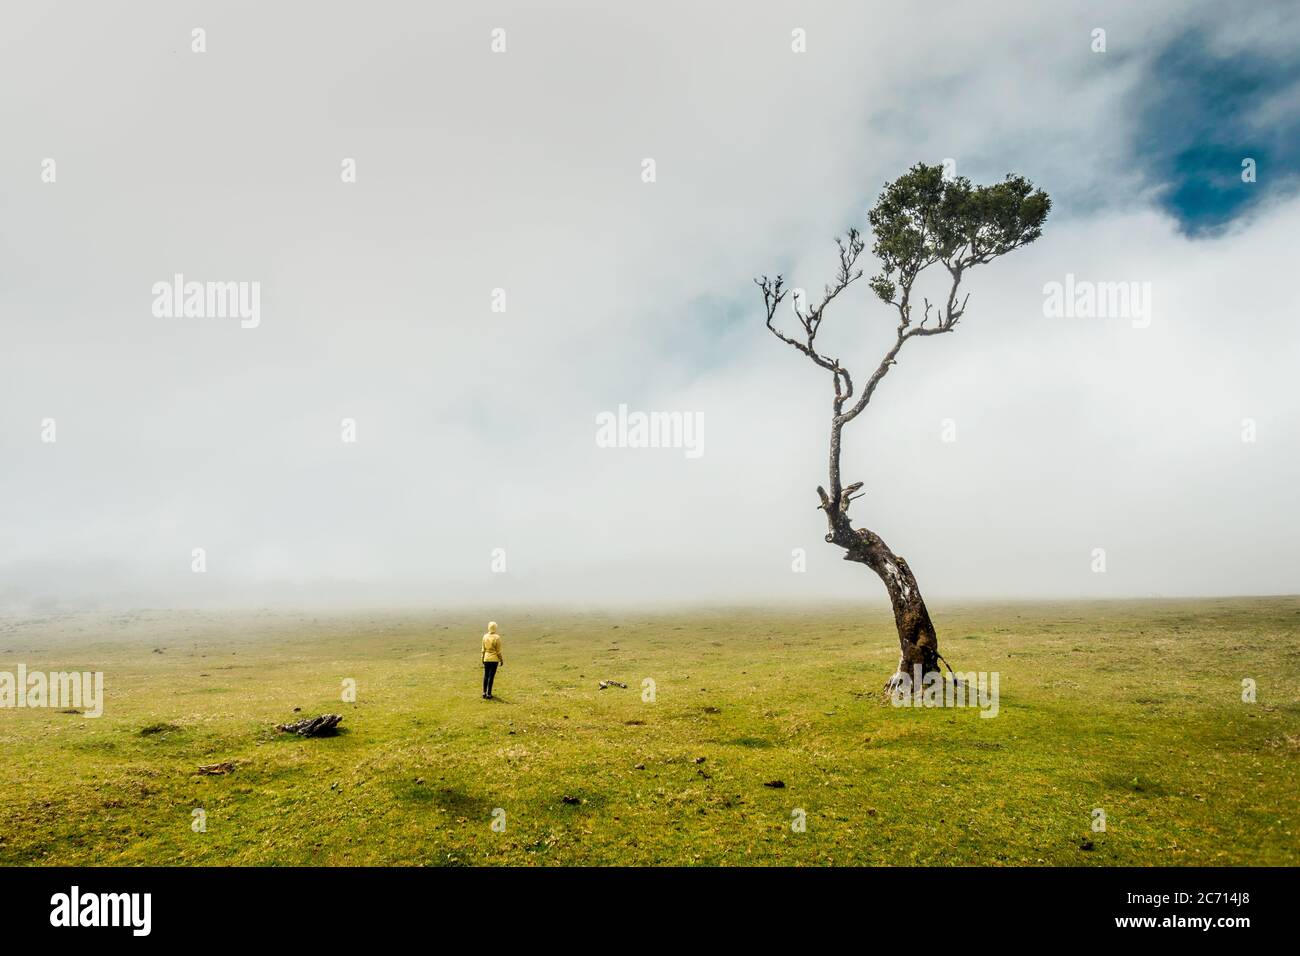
(917, 642)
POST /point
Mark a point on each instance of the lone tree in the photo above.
(920, 220)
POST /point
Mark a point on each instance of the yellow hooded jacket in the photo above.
(492, 645)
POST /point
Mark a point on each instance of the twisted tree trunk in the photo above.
(918, 645)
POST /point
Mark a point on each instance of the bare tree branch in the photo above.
(810, 320)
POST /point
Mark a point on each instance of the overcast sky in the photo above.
(522, 171)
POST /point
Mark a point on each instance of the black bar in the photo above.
(330, 905)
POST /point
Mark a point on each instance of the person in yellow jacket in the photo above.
(492, 658)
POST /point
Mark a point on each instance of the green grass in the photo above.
(1131, 707)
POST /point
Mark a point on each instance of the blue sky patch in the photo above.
(1203, 113)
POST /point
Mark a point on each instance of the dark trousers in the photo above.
(489, 675)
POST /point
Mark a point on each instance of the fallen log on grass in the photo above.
(320, 726)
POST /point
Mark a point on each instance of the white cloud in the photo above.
(476, 430)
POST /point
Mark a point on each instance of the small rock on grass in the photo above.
(639, 766)
(775, 784)
(570, 800)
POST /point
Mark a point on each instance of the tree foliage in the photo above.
(922, 219)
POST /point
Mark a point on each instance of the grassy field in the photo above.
(1134, 708)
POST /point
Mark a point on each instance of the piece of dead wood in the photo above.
(612, 683)
(320, 726)
(217, 769)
